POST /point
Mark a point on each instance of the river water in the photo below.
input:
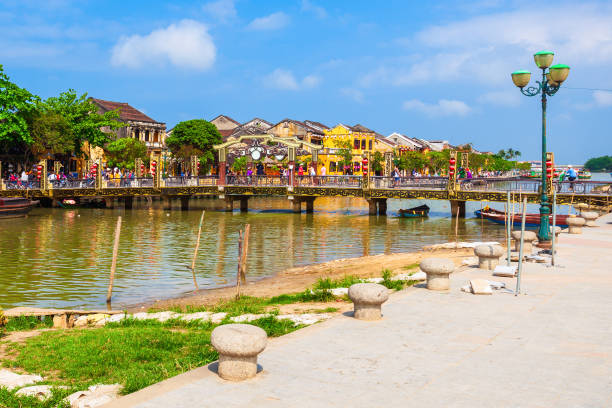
(61, 258)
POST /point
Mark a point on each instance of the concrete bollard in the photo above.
(575, 225)
(488, 256)
(589, 218)
(528, 239)
(367, 300)
(238, 346)
(437, 270)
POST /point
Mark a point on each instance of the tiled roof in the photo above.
(302, 124)
(226, 133)
(316, 125)
(360, 128)
(226, 117)
(258, 120)
(126, 112)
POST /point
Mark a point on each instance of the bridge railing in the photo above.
(584, 187)
(128, 183)
(256, 181)
(425, 183)
(189, 181)
(329, 181)
(19, 185)
(73, 183)
(533, 186)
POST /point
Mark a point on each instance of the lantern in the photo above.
(38, 171)
(549, 169)
(364, 166)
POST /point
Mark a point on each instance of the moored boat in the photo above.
(420, 211)
(531, 220)
(584, 175)
(15, 207)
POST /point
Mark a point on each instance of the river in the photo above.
(61, 258)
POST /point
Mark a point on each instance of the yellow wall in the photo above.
(341, 134)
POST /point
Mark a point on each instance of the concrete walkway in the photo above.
(549, 347)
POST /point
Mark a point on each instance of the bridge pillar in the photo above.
(382, 206)
(457, 205)
(109, 202)
(167, 204)
(229, 204)
(297, 205)
(185, 203)
(128, 202)
(372, 205)
(244, 204)
(309, 204)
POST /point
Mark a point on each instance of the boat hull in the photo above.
(531, 220)
(15, 207)
(420, 211)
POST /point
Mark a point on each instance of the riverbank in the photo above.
(298, 279)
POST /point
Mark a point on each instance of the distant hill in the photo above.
(603, 163)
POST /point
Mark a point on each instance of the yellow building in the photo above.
(360, 140)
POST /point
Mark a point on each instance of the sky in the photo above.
(433, 70)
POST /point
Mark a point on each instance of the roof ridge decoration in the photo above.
(226, 117)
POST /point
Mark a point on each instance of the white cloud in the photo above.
(222, 10)
(486, 49)
(502, 98)
(354, 94)
(602, 98)
(186, 45)
(318, 11)
(285, 80)
(274, 21)
(444, 107)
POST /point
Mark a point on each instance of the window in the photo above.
(137, 134)
(370, 144)
(356, 144)
(363, 144)
(146, 136)
(356, 167)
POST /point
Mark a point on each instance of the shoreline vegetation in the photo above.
(136, 353)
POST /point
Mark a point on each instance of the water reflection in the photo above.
(61, 258)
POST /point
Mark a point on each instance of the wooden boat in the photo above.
(531, 220)
(15, 207)
(584, 175)
(420, 211)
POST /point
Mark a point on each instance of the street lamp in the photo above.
(550, 84)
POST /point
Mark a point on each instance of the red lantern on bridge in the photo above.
(94, 169)
(198, 167)
(142, 170)
(451, 166)
(549, 169)
(38, 171)
(153, 167)
(364, 166)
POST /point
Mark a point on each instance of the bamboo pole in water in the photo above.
(239, 264)
(457, 228)
(195, 252)
(520, 264)
(114, 261)
(245, 253)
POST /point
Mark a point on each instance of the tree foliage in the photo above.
(345, 151)
(509, 154)
(602, 163)
(378, 162)
(50, 132)
(82, 116)
(123, 152)
(194, 137)
(15, 105)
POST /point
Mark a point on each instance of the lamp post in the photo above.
(548, 86)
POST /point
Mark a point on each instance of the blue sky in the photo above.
(435, 70)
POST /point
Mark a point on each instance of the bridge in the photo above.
(305, 189)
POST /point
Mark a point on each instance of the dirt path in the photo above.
(298, 279)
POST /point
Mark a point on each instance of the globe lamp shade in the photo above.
(559, 72)
(521, 78)
(550, 80)
(543, 59)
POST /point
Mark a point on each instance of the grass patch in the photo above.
(9, 399)
(329, 283)
(135, 354)
(302, 297)
(395, 284)
(23, 323)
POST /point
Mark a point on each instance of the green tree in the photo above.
(438, 161)
(239, 165)
(195, 137)
(82, 115)
(345, 151)
(602, 163)
(378, 161)
(123, 152)
(49, 132)
(15, 105)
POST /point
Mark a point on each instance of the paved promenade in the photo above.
(549, 347)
